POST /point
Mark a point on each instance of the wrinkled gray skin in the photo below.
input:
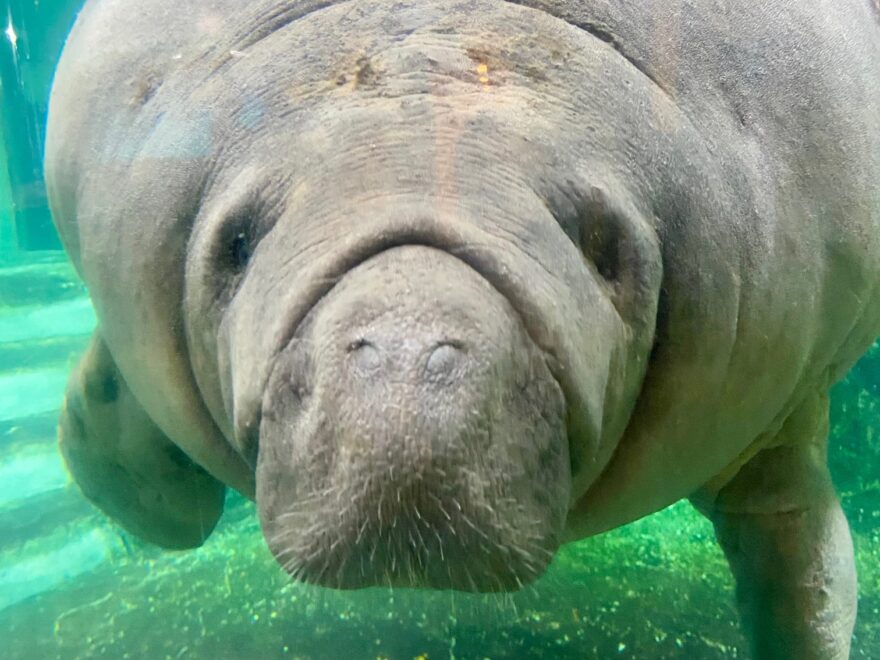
(446, 284)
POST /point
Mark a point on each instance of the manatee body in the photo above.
(444, 285)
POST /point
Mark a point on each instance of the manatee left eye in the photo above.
(236, 236)
(240, 250)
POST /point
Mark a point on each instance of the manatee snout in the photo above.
(412, 434)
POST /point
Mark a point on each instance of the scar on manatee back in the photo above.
(488, 60)
(144, 87)
(361, 75)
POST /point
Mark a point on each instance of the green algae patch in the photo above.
(659, 588)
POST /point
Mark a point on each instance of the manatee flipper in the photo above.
(788, 544)
(126, 466)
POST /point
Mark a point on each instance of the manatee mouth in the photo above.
(412, 434)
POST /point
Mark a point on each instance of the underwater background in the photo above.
(73, 585)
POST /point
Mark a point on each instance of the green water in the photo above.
(73, 585)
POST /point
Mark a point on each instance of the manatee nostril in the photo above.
(364, 354)
(444, 358)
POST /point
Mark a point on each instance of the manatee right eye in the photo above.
(235, 242)
(239, 251)
(235, 238)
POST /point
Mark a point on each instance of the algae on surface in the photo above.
(656, 589)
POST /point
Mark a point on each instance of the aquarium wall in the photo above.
(33, 33)
(73, 584)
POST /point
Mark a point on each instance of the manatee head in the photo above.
(420, 295)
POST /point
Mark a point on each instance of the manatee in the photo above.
(445, 285)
